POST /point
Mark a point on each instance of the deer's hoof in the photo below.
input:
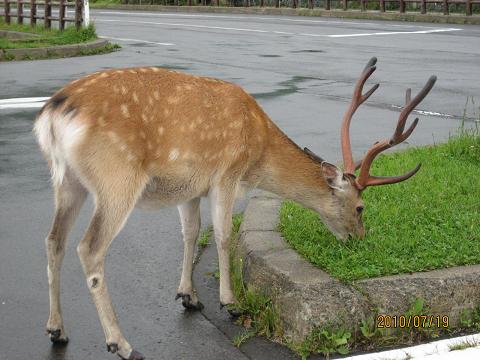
(113, 348)
(188, 303)
(232, 310)
(135, 355)
(57, 337)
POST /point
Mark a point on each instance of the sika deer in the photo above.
(152, 137)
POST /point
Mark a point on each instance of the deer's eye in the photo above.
(359, 209)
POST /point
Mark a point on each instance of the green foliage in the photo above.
(204, 239)
(470, 318)
(325, 341)
(427, 222)
(259, 314)
(464, 345)
(46, 37)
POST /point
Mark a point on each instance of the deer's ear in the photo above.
(332, 175)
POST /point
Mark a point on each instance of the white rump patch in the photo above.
(56, 135)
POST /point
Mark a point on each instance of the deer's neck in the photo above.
(288, 172)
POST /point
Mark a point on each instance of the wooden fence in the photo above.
(380, 5)
(46, 14)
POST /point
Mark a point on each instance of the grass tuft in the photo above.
(46, 37)
(464, 345)
(260, 316)
(427, 222)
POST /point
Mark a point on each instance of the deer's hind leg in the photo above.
(190, 218)
(116, 193)
(69, 198)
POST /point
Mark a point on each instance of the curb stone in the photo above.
(350, 14)
(51, 51)
(307, 297)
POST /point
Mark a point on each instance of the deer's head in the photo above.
(342, 212)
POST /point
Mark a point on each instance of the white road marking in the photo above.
(23, 100)
(425, 112)
(276, 32)
(395, 33)
(433, 350)
(137, 40)
(184, 25)
(260, 18)
(23, 103)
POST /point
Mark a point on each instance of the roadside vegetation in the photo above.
(425, 223)
(45, 37)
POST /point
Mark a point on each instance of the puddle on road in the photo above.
(174, 67)
(307, 51)
(287, 87)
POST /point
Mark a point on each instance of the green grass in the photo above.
(46, 37)
(98, 3)
(259, 314)
(464, 345)
(204, 239)
(430, 221)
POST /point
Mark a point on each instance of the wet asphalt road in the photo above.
(303, 81)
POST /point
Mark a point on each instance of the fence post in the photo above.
(33, 13)
(19, 12)
(6, 7)
(61, 15)
(86, 13)
(402, 6)
(468, 8)
(48, 14)
(327, 4)
(78, 14)
(445, 7)
(424, 7)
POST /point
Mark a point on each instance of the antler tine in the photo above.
(364, 178)
(384, 180)
(410, 105)
(357, 99)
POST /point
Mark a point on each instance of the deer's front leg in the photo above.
(190, 218)
(222, 199)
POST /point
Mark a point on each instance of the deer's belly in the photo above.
(162, 191)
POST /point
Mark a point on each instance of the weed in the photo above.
(325, 341)
(204, 239)
(470, 318)
(468, 343)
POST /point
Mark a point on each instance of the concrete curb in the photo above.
(350, 14)
(308, 297)
(51, 51)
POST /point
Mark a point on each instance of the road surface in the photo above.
(302, 72)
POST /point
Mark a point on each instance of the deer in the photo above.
(149, 137)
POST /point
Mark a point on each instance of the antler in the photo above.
(357, 99)
(365, 179)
